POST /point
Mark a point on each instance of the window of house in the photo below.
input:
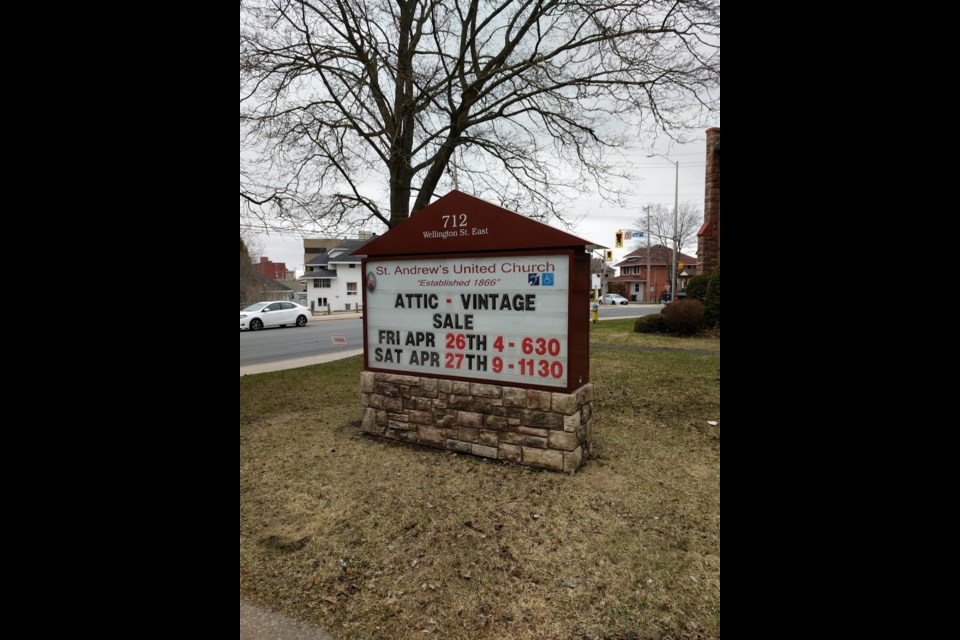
(321, 302)
(351, 288)
(321, 283)
(636, 287)
(353, 266)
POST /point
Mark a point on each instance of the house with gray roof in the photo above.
(332, 274)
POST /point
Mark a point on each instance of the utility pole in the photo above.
(676, 228)
(676, 241)
(646, 282)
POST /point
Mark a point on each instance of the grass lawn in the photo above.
(371, 539)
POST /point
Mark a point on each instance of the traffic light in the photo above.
(619, 243)
(608, 255)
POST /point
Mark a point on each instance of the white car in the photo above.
(273, 314)
(612, 298)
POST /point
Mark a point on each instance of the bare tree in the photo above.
(353, 110)
(251, 282)
(689, 219)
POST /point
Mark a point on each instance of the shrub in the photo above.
(652, 323)
(684, 317)
(697, 287)
(711, 301)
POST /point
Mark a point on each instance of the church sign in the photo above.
(471, 305)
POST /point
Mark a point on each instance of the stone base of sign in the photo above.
(538, 428)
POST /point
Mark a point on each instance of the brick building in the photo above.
(708, 237)
(633, 272)
(272, 270)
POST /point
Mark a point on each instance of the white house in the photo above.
(333, 276)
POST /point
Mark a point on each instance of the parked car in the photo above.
(612, 298)
(665, 296)
(273, 314)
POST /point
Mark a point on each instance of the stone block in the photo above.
(428, 387)
(393, 404)
(366, 381)
(495, 422)
(543, 458)
(411, 435)
(534, 441)
(445, 420)
(432, 435)
(369, 422)
(461, 402)
(585, 393)
(510, 452)
(553, 421)
(586, 412)
(444, 386)
(393, 378)
(486, 452)
(482, 405)
(461, 388)
(514, 397)
(512, 438)
(538, 400)
(460, 447)
(485, 390)
(388, 390)
(470, 419)
(376, 401)
(572, 460)
(399, 426)
(467, 434)
(563, 440)
(420, 404)
(565, 403)
(533, 418)
(489, 438)
(532, 431)
(572, 422)
(421, 417)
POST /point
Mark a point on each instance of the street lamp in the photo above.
(676, 249)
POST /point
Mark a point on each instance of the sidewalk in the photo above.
(293, 363)
(337, 315)
(257, 623)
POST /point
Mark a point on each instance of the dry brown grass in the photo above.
(371, 539)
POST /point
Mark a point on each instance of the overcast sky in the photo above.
(601, 221)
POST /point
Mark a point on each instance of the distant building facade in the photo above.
(332, 274)
(272, 270)
(708, 237)
(633, 273)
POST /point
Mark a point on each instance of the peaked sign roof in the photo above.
(461, 223)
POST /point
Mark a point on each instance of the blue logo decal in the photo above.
(548, 279)
(533, 279)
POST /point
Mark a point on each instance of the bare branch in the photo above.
(353, 109)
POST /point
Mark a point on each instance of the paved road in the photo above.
(290, 347)
(271, 345)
